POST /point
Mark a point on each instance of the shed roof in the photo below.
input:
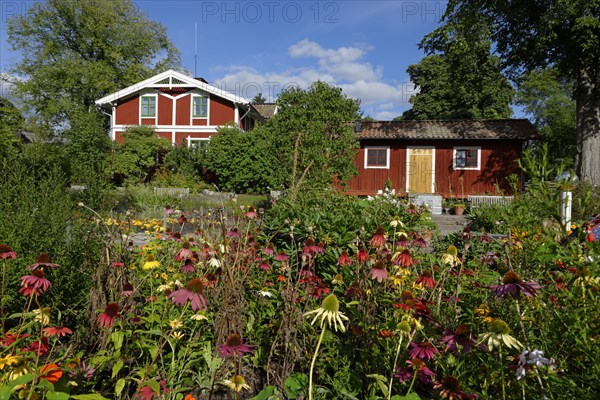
(266, 110)
(520, 129)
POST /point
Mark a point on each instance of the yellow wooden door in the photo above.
(420, 171)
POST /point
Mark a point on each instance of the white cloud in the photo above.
(343, 66)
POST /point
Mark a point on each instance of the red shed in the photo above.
(453, 158)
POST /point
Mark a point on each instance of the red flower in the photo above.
(127, 289)
(264, 265)
(50, 373)
(34, 283)
(107, 318)
(405, 259)
(378, 238)
(117, 264)
(450, 389)
(344, 259)
(311, 249)
(194, 292)
(184, 252)
(43, 260)
(362, 256)
(319, 290)
(281, 256)
(6, 252)
(57, 331)
(412, 209)
(234, 346)
(40, 346)
(378, 272)
(426, 279)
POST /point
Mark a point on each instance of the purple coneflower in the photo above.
(403, 240)
(264, 265)
(412, 209)
(311, 249)
(35, 282)
(424, 350)
(188, 267)
(234, 346)
(6, 252)
(270, 249)
(426, 279)
(344, 260)
(233, 233)
(127, 289)
(378, 272)
(415, 365)
(175, 236)
(41, 261)
(378, 238)
(460, 337)
(513, 285)
(184, 252)
(194, 292)
(251, 213)
(450, 389)
(420, 242)
(281, 256)
(107, 318)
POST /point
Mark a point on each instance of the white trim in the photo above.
(476, 168)
(387, 157)
(187, 82)
(113, 131)
(173, 138)
(236, 115)
(408, 148)
(191, 139)
(155, 117)
(195, 95)
(177, 128)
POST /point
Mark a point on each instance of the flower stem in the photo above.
(394, 367)
(312, 364)
(502, 372)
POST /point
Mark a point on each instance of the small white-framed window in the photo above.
(377, 157)
(148, 106)
(465, 157)
(200, 144)
(200, 106)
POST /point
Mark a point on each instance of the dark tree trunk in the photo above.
(588, 125)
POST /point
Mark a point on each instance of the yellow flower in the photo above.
(150, 263)
(8, 360)
(42, 315)
(164, 276)
(178, 335)
(199, 316)
(17, 372)
(483, 310)
(175, 324)
(236, 383)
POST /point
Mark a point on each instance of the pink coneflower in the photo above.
(378, 238)
(362, 256)
(251, 213)
(6, 252)
(234, 346)
(41, 261)
(182, 219)
(107, 318)
(36, 281)
(168, 210)
(311, 249)
(403, 240)
(405, 259)
(420, 242)
(415, 366)
(344, 260)
(184, 252)
(466, 233)
(57, 331)
(211, 279)
(117, 264)
(194, 292)
(281, 256)
(127, 289)
(270, 249)
(423, 350)
(378, 272)
(426, 279)
(233, 233)
(354, 290)
(264, 265)
(188, 267)
(175, 236)
(513, 285)
(412, 209)
(484, 238)
(450, 389)
(460, 337)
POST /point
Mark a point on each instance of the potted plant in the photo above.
(459, 208)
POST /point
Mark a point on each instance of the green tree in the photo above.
(258, 99)
(242, 162)
(138, 157)
(313, 138)
(547, 97)
(75, 52)
(533, 34)
(460, 79)
(11, 123)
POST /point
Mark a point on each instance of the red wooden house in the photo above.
(182, 109)
(449, 158)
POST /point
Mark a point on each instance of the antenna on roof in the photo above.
(196, 50)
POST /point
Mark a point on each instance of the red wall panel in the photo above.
(128, 112)
(183, 111)
(221, 111)
(165, 111)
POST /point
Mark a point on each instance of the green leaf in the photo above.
(116, 368)
(295, 384)
(410, 396)
(91, 396)
(52, 395)
(266, 394)
(155, 386)
(119, 387)
(117, 338)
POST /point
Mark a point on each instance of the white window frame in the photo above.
(387, 157)
(155, 97)
(457, 167)
(196, 96)
(191, 139)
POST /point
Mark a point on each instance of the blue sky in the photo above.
(249, 46)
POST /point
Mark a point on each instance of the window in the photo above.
(199, 144)
(148, 106)
(200, 107)
(467, 158)
(377, 157)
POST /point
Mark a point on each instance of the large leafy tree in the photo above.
(460, 79)
(11, 123)
(313, 138)
(74, 52)
(533, 34)
(547, 98)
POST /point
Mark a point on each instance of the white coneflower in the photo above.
(330, 312)
(499, 335)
